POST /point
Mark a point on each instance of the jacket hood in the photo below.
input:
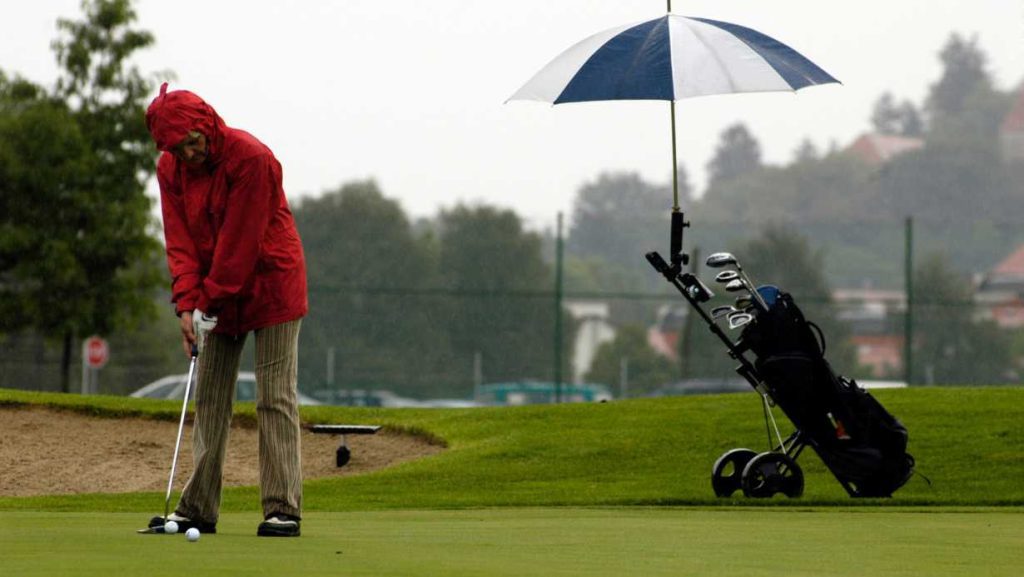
(173, 114)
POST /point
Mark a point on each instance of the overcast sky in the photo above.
(412, 93)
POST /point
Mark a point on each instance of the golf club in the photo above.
(727, 276)
(721, 259)
(736, 285)
(719, 312)
(738, 319)
(181, 427)
(177, 442)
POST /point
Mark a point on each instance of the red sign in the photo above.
(97, 353)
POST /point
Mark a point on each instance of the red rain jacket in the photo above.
(232, 246)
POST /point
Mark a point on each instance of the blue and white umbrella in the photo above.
(671, 58)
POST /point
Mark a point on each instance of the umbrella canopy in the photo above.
(671, 58)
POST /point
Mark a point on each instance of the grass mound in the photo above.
(968, 441)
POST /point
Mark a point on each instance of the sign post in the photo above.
(95, 354)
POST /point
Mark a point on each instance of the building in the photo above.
(877, 149)
(594, 329)
(1002, 290)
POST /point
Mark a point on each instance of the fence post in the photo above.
(908, 283)
(558, 311)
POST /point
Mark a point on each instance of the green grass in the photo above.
(968, 441)
(597, 490)
(550, 542)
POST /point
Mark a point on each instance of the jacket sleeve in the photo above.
(246, 216)
(182, 256)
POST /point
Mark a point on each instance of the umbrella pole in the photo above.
(676, 254)
(675, 164)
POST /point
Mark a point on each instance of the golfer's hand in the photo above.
(202, 324)
(187, 333)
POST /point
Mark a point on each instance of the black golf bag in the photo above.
(858, 440)
(863, 445)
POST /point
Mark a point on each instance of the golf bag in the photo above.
(860, 442)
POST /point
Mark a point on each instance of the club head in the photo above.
(726, 276)
(735, 285)
(720, 259)
(719, 312)
(151, 531)
(737, 320)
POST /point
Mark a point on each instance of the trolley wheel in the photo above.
(728, 469)
(771, 473)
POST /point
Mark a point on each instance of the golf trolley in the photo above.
(856, 438)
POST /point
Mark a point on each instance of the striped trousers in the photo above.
(277, 417)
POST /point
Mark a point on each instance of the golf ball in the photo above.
(192, 534)
(170, 527)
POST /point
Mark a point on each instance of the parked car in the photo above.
(364, 398)
(173, 387)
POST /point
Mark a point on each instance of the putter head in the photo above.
(720, 259)
(727, 276)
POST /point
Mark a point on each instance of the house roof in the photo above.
(1008, 274)
(880, 148)
(1012, 265)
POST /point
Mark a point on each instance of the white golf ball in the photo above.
(170, 527)
(192, 534)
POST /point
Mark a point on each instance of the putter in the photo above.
(177, 442)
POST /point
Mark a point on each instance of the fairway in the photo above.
(535, 541)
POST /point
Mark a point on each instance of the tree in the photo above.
(888, 117)
(77, 253)
(738, 154)
(964, 109)
(369, 280)
(950, 347)
(963, 74)
(806, 151)
(620, 217)
(646, 369)
(502, 307)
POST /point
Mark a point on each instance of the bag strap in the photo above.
(820, 336)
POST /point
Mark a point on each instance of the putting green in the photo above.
(536, 541)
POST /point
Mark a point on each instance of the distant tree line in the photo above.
(423, 308)
(431, 306)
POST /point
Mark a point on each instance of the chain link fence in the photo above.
(406, 344)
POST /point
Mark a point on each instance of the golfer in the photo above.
(236, 266)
